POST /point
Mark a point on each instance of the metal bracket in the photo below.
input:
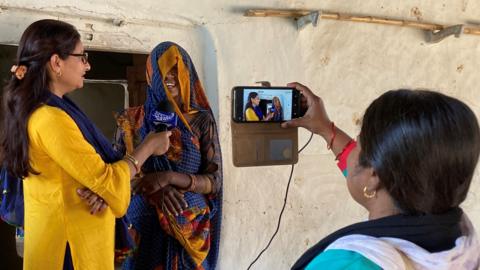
(437, 36)
(118, 22)
(265, 83)
(312, 18)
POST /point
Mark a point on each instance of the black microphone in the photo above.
(164, 117)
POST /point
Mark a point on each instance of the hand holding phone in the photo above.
(316, 118)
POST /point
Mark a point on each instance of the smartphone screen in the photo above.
(261, 104)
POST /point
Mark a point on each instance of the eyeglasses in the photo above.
(84, 56)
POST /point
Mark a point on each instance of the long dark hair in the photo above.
(424, 147)
(249, 100)
(249, 103)
(39, 42)
(277, 99)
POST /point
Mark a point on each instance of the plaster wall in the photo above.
(347, 64)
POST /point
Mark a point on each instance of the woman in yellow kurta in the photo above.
(252, 108)
(57, 151)
(253, 112)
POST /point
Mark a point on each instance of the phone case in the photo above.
(263, 144)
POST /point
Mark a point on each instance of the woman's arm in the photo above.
(163, 186)
(61, 139)
(317, 121)
(208, 179)
(153, 182)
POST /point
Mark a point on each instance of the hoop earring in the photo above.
(369, 196)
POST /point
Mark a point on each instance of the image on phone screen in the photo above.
(261, 104)
(267, 105)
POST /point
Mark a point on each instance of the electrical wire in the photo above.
(283, 207)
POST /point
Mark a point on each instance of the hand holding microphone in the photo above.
(159, 142)
(164, 119)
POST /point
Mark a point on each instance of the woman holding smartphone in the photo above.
(410, 167)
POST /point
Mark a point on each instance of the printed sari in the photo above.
(191, 239)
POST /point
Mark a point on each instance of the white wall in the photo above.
(348, 64)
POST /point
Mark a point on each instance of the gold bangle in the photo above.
(133, 161)
(193, 183)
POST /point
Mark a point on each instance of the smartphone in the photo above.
(265, 104)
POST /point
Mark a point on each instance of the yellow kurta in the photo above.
(54, 213)
(251, 115)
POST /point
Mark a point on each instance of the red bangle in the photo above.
(345, 148)
(334, 134)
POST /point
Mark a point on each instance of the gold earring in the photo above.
(369, 196)
(59, 73)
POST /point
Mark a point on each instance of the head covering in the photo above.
(162, 59)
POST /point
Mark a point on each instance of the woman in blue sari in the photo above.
(176, 217)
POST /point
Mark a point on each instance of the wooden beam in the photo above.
(292, 13)
(277, 13)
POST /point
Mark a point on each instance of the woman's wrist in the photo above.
(179, 180)
(139, 155)
(170, 177)
(147, 146)
(324, 129)
(193, 183)
(133, 161)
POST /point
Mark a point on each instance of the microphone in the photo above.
(164, 117)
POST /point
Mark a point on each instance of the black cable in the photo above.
(309, 140)
(283, 208)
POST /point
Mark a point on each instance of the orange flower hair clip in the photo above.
(19, 71)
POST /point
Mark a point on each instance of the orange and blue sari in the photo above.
(191, 239)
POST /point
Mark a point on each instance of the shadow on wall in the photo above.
(209, 64)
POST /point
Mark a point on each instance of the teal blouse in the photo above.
(336, 259)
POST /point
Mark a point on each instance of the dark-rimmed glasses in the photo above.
(83, 56)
